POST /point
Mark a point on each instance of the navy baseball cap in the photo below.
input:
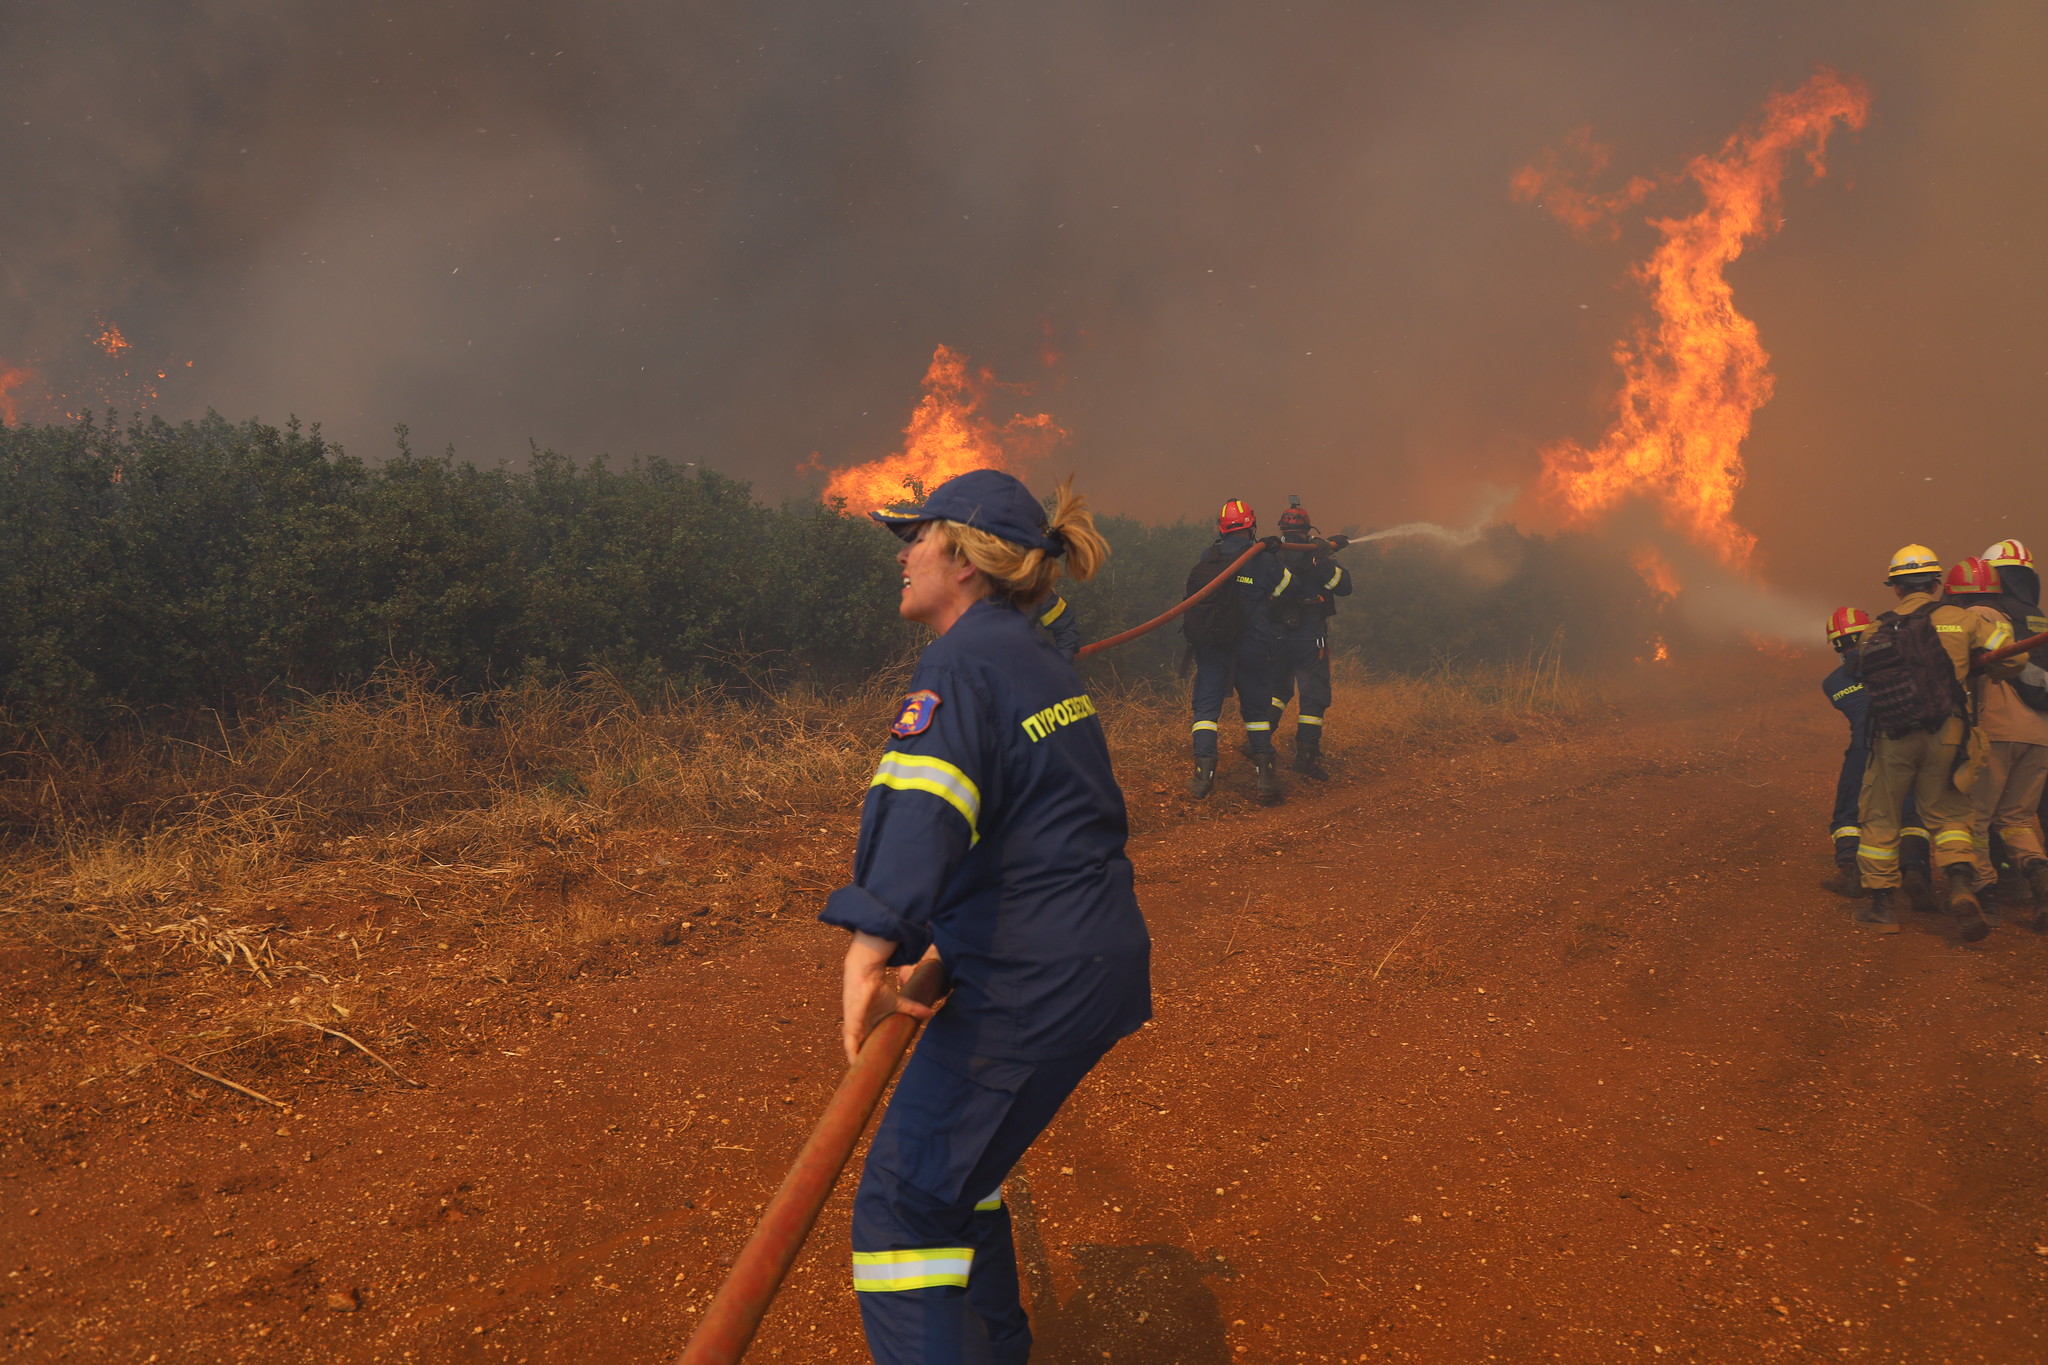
(986, 499)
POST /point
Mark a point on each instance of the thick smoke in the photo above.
(1273, 248)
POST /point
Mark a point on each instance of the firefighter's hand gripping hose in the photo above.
(742, 1301)
(1211, 586)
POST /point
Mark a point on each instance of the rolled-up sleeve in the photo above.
(922, 813)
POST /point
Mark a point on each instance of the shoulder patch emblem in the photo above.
(916, 716)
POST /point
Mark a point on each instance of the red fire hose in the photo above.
(742, 1301)
(2026, 646)
(1096, 647)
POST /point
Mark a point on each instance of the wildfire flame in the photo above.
(110, 339)
(948, 434)
(10, 380)
(1656, 571)
(1691, 380)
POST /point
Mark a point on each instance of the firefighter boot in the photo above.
(2037, 882)
(1203, 778)
(1845, 882)
(1881, 913)
(1308, 758)
(1263, 768)
(1971, 926)
(1919, 891)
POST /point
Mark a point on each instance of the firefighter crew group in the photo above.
(1263, 634)
(1942, 783)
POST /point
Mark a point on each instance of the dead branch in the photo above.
(197, 1071)
(360, 1047)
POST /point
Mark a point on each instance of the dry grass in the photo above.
(404, 775)
(417, 868)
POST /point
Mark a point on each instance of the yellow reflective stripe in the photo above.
(1913, 831)
(1308, 720)
(1258, 725)
(923, 1268)
(994, 1201)
(1948, 838)
(1883, 855)
(918, 773)
(1052, 613)
(1205, 725)
(1279, 703)
(2001, 635)
(1335, 578)
(1847, 832)
(1286, 577)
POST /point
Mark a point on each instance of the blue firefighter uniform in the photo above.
(1056, 619)
(1250, 662)
(1844, 690)
(995, 829)
(1305, 650)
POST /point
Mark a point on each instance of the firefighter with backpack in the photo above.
(1235, 641)
(1915, 665)
(2012, 714)
(1844, 690)
(1305, 636)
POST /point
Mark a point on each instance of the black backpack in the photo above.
(1908, 676)
(1217, 619)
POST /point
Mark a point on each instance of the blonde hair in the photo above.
(1021, 575)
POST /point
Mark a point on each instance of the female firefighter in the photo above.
(992, 837)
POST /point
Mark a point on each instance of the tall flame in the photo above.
(1691, 380)
(948, 434)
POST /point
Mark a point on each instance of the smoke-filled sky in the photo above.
(1273, 245)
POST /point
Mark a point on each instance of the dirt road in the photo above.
(1547, 1050)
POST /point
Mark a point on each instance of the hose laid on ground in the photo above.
(735, 1314)
(1212, 585)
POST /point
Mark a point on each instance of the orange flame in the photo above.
(1656, 571)
(110, 339)
(10, 380)
(948, 434)
(1691, 381)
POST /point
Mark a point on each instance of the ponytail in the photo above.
(1023, 575)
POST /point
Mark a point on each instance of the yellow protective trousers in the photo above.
(1923, 764)
(2007, 802)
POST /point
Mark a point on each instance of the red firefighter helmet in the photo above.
(1235, 516)
(1294, 519)
(2008, 554)
(1971, 575)
(1848, 621)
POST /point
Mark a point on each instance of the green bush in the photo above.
(158, 567)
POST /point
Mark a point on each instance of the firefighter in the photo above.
(992, 837)
(1844, 691)
(1915, 663)
(2020, 599)
(2006, 798)
(1305, 638)
(1236, 642)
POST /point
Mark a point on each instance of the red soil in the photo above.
(1544, 1050)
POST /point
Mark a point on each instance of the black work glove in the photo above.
(1270, 542)
(1339, 542)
